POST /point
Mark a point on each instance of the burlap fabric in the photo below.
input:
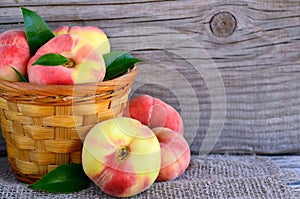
(212, 176)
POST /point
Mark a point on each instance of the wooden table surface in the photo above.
(289, 162)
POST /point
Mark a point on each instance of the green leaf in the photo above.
(20, 75)
(51, 60)
(66, 178)
(118, 63)
(37, 31)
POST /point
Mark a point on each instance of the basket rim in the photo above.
(30, 86)
(28, 93)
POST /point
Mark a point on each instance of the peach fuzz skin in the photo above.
(94, 34)
(121, 156)
(175, 154)
(87, 65)
(154, 112)
(15, 53)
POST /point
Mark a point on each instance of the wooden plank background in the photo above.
(256, 67)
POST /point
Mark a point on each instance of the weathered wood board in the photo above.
(289, 163)
(232, 68)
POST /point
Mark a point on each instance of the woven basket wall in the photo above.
(43, 125)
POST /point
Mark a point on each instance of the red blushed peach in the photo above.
(94, 34)
(14, 51)
(154, 112)
(121, 156)
(84, 64)
(175, 154)
(14, 37)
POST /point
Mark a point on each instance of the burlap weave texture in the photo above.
(212, 176)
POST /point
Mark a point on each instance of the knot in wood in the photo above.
(223, 24)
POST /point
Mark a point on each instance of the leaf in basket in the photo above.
(51, 60)
(117, 63)
(20, 75)
(66, 178)
(37, 31)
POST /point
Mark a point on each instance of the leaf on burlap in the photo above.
(66, 178)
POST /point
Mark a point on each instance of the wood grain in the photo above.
(289, 163)
(258, 63)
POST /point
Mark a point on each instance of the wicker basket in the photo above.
(43, 125)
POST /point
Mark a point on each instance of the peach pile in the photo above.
(124, 156)
(82, 46)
